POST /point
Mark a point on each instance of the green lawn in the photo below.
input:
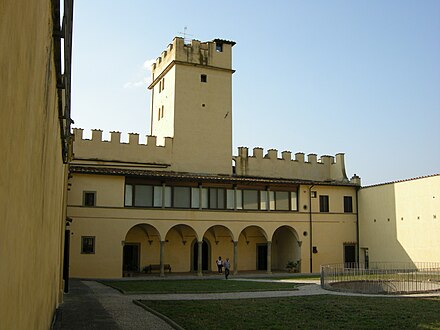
(196, 286)
(305, 312)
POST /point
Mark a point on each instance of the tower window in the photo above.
(163, 83)
(218, 47)
(161, 115)
(204, 78)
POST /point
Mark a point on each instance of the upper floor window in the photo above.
(182, 197)
(250, 199)
(348, 204)
(218, 46)
(203, 78)
(323, 203)
(147, 196)
(89, 198)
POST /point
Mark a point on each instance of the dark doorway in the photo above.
(130, 259)
(261, 256)
(349, 256)
(205, 256)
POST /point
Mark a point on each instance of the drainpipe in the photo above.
(66, 255)
(310, 229)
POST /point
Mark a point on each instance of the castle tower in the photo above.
(191, 101)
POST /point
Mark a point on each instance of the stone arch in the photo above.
(252, 243)
(206, 255)
(177, 248)
(221, 244)
(141, 247)
(286, 247)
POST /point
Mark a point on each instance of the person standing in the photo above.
(227, 265)
(219, 265)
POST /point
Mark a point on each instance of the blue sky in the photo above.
(358, 77)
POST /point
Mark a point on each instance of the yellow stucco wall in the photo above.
(109, 190)
(32, 179)
(113, 226)
(400, 221)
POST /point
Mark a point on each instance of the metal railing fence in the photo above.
(382, 277)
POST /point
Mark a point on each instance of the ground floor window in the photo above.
(87, 244)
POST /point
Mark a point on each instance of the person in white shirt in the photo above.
(219, 262)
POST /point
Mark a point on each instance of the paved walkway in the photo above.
(92, 305)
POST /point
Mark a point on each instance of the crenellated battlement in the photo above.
(216, 53)
(326, 168)
(133, 151)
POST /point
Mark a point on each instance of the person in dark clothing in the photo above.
(227, 265)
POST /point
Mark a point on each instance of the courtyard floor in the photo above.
(92, 305)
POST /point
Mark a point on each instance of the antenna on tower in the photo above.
(185, 35)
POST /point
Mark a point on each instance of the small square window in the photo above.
(88, 244)
(204, 78)
(89, 198)
(313, 194)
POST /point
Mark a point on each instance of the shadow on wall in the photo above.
(380, 230)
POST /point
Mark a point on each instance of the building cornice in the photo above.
(183, 176)
(175, 62)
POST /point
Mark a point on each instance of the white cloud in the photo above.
(144, 81)
(136, 84)
(148, 63)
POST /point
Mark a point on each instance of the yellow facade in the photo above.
(400, 221)
(174, 198)
(33, 177)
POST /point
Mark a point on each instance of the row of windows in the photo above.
(209, 198)
(214, 198)
(324, 204)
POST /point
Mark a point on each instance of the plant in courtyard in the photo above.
(292, 266)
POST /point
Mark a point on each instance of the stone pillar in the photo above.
(235, 257)
(162, 248)
(269, 257)
(199, 258)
